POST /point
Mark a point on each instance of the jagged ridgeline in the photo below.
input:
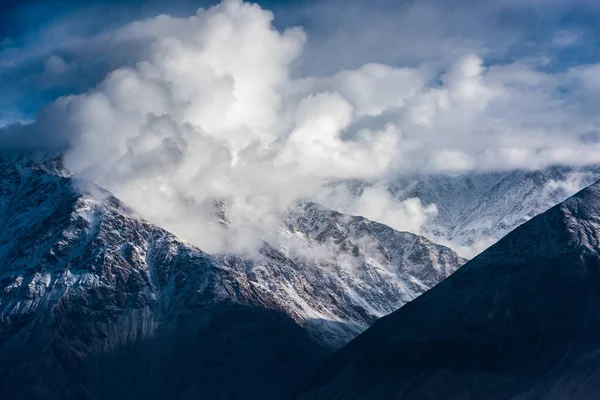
(98, 303)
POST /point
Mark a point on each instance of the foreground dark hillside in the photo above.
(520, 321)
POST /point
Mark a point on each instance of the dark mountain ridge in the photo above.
(519, 321)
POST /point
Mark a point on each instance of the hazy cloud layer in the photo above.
(376, 202)
(206, 110)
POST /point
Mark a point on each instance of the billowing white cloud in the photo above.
(212, 115)
(209, 114)
(574, 182)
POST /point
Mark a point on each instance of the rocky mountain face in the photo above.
(96, 302)
(337, 274)
(520, 321)
(475, 210)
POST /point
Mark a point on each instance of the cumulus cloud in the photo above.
(563, 189)
(209, 117)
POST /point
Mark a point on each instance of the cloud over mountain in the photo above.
(210, 111)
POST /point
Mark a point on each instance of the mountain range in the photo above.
(96, 302)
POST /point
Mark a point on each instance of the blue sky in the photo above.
(342, 34)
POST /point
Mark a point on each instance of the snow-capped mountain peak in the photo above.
(88, 285)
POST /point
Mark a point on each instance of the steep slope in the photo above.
(520, 321)
(98, 303)
(337, 274)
